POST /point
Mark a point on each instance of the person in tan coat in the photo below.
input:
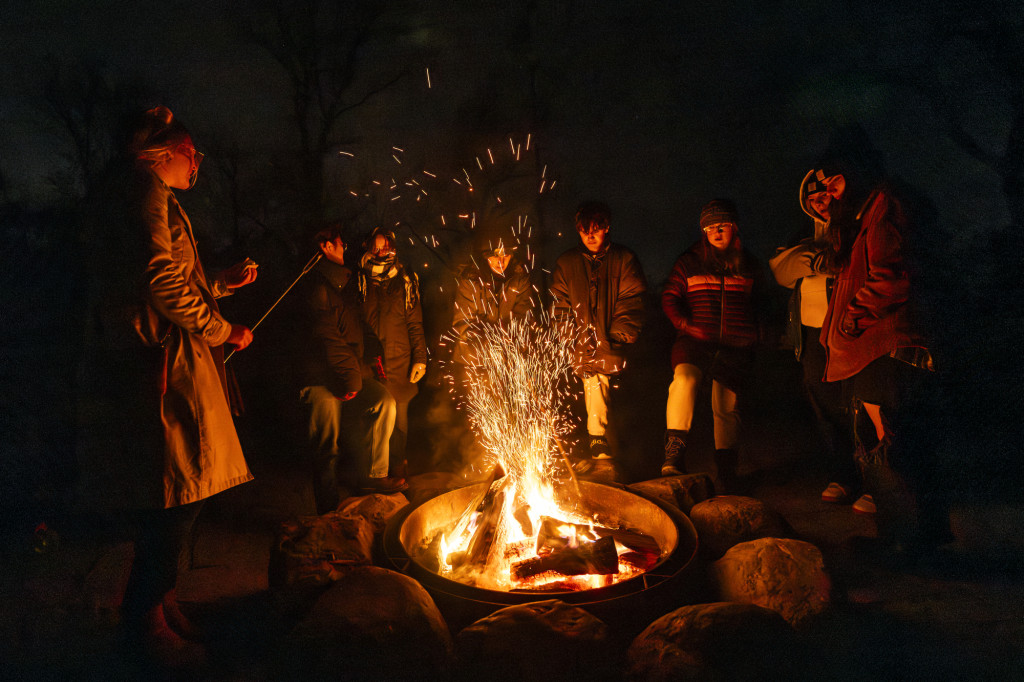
(155, 405)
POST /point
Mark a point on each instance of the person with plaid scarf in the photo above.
(391, 306)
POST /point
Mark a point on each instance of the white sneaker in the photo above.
(835, 493)
(865, 505)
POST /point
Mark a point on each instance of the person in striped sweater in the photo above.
(713, 299)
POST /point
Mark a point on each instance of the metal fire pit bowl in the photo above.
(631, 603)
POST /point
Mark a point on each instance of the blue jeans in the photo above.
(361, 426)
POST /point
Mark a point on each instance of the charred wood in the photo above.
(596, 557)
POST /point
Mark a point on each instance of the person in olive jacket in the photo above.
(349, 409)
(712, 299)
(392, 309)
(603, 286)
(156, 435)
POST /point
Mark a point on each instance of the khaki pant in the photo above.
(595, 396)
(682, 398)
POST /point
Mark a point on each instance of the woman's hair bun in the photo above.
(161, 114)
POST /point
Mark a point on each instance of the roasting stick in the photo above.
(309, 266)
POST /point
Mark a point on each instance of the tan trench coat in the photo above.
(157, 428)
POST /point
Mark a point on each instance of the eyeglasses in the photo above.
(717, 227)
(195, 156)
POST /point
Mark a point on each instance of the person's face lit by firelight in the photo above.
(720, 235)
(593, 236)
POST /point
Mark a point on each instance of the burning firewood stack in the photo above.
(527, 528)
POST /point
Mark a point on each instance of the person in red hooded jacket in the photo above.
(873, 342)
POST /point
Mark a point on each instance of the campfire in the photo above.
(529, 526)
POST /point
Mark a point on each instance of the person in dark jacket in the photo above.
(348, 407)
(712, 299)
(390, 295)
(499, 290)
(603, 286)
(873, 344)
(801, 268)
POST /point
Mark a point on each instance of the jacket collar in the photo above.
(337, 275)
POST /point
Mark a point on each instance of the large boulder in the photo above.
(371, 624)
(786, 576)
(377, 508)
(727, 520)
(313, 551)
(545, 640)
(720, 641)
(682, 492)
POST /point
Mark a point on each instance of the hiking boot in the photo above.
(675, 449)
(599, 448)
(154, 639)
(176, 619)
(386, 485)
(835, 494)
(865, 506)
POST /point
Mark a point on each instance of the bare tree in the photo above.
(86, 104)
(319, 45)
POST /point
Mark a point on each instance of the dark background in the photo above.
(313, 110)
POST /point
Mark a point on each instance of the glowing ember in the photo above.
(526, 529)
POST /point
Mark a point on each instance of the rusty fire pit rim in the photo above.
(668, 568)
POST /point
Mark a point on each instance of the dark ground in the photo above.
(954, 615)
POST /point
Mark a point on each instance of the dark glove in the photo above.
(850, 327)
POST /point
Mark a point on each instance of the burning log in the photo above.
(487, 512)
(634, 540)
(555, 535)
(596, 557)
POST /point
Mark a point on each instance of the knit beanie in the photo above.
(717, 211)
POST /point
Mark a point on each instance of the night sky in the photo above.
(655, 107)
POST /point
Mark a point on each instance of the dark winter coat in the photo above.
(616, 309)
(708, 302)
(393, 312)
(336, 329)
(871, 294)
(484, 296)
(156, 429)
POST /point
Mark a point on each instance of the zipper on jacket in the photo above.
(721, 322)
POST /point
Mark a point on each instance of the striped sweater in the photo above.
(709, 304)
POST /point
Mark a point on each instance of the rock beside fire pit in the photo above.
(311, 551)
(683, 492)
(727, 520)
(545, 640)
(786, 576)
(377, 509)
(372, 624)
(720, 641)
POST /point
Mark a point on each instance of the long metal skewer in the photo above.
(309, 266)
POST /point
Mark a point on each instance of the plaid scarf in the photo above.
(379, 268)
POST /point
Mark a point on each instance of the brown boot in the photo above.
(167, 648)
(177, 620)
